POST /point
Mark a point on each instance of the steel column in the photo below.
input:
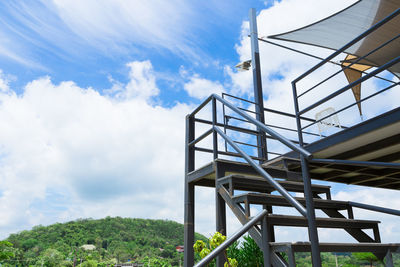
(189, 195)
(312, 228)
(214, 122)
(389, 259)
(258, 93)
(220, 225)
(220, 209)
(265, 233)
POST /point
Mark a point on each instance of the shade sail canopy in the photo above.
(337, 30)
(353, 73)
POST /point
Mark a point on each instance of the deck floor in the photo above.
(377, 139)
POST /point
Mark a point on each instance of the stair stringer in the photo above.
(276, 259)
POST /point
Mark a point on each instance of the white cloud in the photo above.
(104, 23)
(201, 88)
(141, 85)
(69, 152)
(4, 87)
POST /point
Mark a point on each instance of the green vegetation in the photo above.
(248, 254)
(121, 240)
(116, 240)
(6, 250)
(204, 249)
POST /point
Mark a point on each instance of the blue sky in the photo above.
(40, 39)
(93, 96)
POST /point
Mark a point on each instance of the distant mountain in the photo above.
(102, 242)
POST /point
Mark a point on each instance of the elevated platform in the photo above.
(205, 175)
(377, 139)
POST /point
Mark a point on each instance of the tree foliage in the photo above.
(116, 240)
(6, 251)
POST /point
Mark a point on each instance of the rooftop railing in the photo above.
(326, 91)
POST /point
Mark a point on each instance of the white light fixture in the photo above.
(243, 66)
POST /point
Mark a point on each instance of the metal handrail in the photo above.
(316, 57)
(350, 65)
(264, 128)
(231, 239)
(351, 85)
(205, 102)
(229, 127)
(201, 137)
(272, 110)
(352, 104)
(275, 126)
(374, 208)
(219, 152)
(358, 163)
(264, 174)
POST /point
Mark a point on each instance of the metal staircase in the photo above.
(254, 190)
(347, 156)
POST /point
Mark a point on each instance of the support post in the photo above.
(265, 240)
(220, 212)
(258, 93)
(312, 226)
(388, 259)
(214, 122)
(189, 196)
(220, 209)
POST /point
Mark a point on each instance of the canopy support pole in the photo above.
(258, 92)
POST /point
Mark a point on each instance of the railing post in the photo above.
(258, 92)
(312, 227)
(214, 122)
(220, 207)
(189, 195)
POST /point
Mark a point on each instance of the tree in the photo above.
(89, 263)
(250, 254)
(366, 256)
(51, 257)
(6, 251)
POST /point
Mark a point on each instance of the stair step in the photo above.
(275, 200)
(336, 247)
(259, 184)
(300, 221)
(280, 162)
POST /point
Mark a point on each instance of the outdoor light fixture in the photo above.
(243, 66)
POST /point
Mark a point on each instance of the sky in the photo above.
(94, 94)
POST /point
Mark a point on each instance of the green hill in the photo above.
(114, 240)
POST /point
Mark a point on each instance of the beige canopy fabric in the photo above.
(337, 30)
(353, 73)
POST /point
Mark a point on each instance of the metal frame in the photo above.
(328, 59)
(223, 197)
